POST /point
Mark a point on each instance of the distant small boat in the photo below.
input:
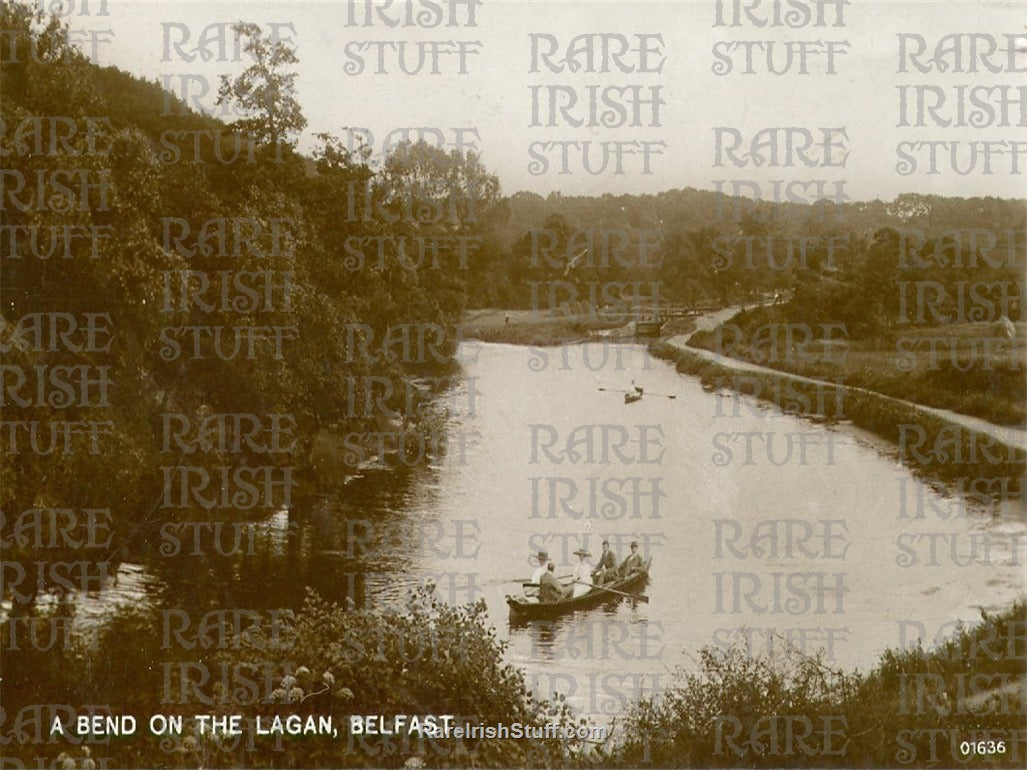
(630, 398)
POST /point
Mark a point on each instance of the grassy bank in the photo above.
(961, 703)
(968, 368)
(546, 333)
(940, 452)
(525, 327)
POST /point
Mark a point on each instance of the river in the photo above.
(762, 527)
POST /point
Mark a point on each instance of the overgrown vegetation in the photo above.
(916, 708)
(227, 279)
(424, 657)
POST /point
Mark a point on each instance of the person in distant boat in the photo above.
(550, 589)
(637, 388)
(607, 567)
(633, 563)
(582, 575)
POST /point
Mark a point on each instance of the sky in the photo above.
(493, 95)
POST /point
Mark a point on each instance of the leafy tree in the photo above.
(265, 89)
(451, 188)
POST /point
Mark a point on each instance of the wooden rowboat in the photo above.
(524, 608)
(630, 398)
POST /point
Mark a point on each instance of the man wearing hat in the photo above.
(543, 559)
(607, 567)
(550, 589)
(540, 570)
(582, 574)
(633, 563)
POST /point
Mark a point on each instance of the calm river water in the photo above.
(839, 559)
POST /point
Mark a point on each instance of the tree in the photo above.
(264, 89)
(452, 189)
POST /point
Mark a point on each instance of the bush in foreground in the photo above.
(962, 702)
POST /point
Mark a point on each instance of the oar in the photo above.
(527, 583)
(640, 597)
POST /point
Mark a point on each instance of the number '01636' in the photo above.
(982, 747)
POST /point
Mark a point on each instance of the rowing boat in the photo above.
(528, 608)
(630, 398)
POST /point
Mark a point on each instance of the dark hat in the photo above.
(542, 556)
(582, 552)
(634, 544)
(606, 542)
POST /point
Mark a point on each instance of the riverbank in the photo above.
(969, 368)
(527, 327)
(970, 455)
(981, 461)
(914, 708)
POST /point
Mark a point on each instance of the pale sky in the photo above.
(495, 95)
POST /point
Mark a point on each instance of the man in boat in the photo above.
(540, 570)
(633, 563)
(582, 575)
(550, 589)
(607, 567)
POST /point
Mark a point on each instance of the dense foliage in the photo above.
(916, 708)
(423, 657)
(182, 216)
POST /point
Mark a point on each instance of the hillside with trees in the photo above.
(226, 273)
